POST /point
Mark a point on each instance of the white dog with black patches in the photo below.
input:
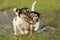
(36, 17)
(16, 22)
(19, 22)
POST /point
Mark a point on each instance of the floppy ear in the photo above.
(14, 9)
(39, 14)
(17, 11)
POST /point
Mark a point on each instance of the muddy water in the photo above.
(6, 18)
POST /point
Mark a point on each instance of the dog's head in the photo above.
(34, 15)
(25, 12)
(22, 12)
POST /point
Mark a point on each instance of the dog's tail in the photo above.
(32, 9)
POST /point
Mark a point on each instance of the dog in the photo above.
(28, 19)
(36, 18)
(19, 21)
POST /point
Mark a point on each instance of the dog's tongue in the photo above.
(30, 22)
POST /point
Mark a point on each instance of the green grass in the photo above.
(46, 5)
(50, 10)
(22, 37)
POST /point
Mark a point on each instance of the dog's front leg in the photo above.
(30, 29)
(36, 26)
(20, 29)
(25, 31)
(15, 29)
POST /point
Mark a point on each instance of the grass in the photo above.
(50, 10)
(41, 5)
(22, 37)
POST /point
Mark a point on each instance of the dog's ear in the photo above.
(40, 15)
(14, 9)
(17, 11)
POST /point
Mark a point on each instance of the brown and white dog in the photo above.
(18, 21)
(22, 21)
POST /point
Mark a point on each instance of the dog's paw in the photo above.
(26, 32)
